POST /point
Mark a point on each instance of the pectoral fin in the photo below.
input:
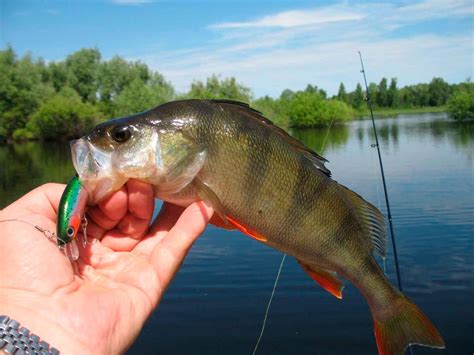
(221, 219)
(325, 278)
(220, 223)
(208, 196)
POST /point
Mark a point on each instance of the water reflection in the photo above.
(26, 165)
(437, 126)
(321, 139)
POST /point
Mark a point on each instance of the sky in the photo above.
(267, 45)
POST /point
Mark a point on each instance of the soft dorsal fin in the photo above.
(371, 220)
(244, 108)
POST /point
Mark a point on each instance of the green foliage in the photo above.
(23, 134)
(461, 103)
(309, 109)
(82, 72)
(373, 88)
(341, 94)
(214, 88)
(139, 96)
(392, 94)
(63, 116)
(82, 79)
(414, 96)
(273, 110)
(22, 89)
(438, 91)
(314, 90)
(381, 97)
(357, 98)
(114, 76)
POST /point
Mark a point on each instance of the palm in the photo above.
(104, 298)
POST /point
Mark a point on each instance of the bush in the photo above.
(273, 110)
(23, 134)
(310, 109)
(139, 96)
(215, 88)
(461, 104)
(64, 116)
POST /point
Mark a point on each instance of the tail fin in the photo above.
(406, 325)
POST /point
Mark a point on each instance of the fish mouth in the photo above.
(94, 168)
(90, 161)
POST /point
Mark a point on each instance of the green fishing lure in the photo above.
(71, 216)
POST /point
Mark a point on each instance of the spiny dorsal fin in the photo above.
(371, 219)
(237, 103)
(317, 160)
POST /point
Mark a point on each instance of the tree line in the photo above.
(434, 94)
(64, 99)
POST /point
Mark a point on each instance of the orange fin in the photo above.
(217, 221)
(250, 232)
(404, 324)
(325, 278)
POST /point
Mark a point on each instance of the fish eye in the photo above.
(121, 134)
(70, 231)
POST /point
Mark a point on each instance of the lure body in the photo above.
(71, 211)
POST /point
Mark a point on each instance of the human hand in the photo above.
(99, 303)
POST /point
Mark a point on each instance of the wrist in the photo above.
(35, 313)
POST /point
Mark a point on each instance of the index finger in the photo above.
(168, 254)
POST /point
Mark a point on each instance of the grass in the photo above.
(384, 112)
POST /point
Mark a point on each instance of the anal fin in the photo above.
(325, 278)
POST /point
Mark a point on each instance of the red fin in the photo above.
(217, 221)
(405, 325)
(250, 232)
(325, 279)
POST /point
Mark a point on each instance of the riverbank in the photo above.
(384, 112)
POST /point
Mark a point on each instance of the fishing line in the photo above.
(70, 249)
(265, 317)
(48, 234)
(269, 304)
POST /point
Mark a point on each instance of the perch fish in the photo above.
(264, 183)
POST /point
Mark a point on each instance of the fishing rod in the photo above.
(389, 214)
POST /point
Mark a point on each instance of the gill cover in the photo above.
(121, 149)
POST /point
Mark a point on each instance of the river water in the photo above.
(217, 302)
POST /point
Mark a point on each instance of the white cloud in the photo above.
(438, 8)
(412, 60)
(293, 48)
(296, 18)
